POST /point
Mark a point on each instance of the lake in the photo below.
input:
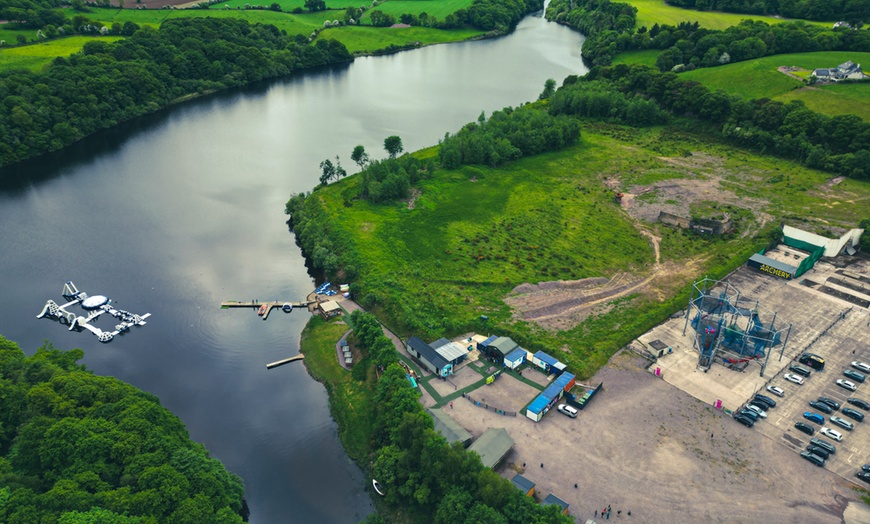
(178, 211)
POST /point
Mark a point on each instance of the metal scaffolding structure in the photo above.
(731, 328)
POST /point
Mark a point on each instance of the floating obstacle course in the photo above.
(95, 306)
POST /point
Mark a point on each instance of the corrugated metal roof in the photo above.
(553, 499)
(522, 483)
(492, 446)
(516, 355)
(448, 427)
(543, 357)
(452, 351)
(539, 404)
(761, 259)
(440, 342)
(563, 380)
(426, 352)
(504, 345)
(552, 391)
(489, 341)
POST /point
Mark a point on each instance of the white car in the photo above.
(567, 410)
(797, 379)
(863, 366)
(776, 390)
(845, 384)
(832, 434)
(843, 423)
(753, 407)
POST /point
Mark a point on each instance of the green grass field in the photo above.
(476, 233)
(36, 56)
(651, 12)
(437, 8)
(348, 397)
(767, 82)
(366, 39)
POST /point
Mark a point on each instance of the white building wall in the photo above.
(833, 246)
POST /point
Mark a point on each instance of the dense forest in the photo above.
(421, 473)
(108, 83)
(853, 11)
(76, 448)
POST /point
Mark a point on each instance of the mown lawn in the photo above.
(475, 233)
(437, 8)
(36, 56)
(767, 82)
(366, 39)
(650, 12)
(347, 401)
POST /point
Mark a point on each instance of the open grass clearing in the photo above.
(767, 82)
(646, 57)
(439, 9)
(37, 56)
(476, 233)
(651, 12)
(367, 39)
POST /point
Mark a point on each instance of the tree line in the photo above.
(838, 144)
(420, 472)
(610, 28)
(853, 11)
(77, 448)
(110, 82)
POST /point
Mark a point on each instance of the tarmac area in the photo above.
(646, 447)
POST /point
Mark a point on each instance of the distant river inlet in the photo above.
(176, 212)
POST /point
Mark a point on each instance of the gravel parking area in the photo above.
(645, 446)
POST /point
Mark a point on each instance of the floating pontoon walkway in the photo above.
(267, 306)
(285, 361)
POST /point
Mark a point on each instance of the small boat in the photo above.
(378, 488)
(262, 310)
(287, 307)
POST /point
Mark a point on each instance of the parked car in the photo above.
(861, 366)
(845, 384)
(800, 370)
(863, 475)
(791, 377)
(756, 408)
(815, 459)
(565, 409)
(866, 467)
(764, 400)
(751, 414)
(843, 423)
(822, 452)
(814, 417)
(831, 434)
(857, 402)
(743, 419)
(812, 360)
(823, 444)
(776, 390)
(804, 427)
(821, 406)
(831, 402)
(853, 414)
(854, 375)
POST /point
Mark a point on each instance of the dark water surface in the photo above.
(176, 212)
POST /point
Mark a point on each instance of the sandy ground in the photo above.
(644, 446)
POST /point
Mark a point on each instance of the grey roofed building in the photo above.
(440, 342)
(523, 484)
(504, 345)
(492, 446)
(822, 73)
(428, 356)
(448, 427)
(452, 352)
(554, 500)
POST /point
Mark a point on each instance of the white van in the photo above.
(568, 410)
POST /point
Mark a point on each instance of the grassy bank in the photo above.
(650, 12)
(348, 398)
(39, 55)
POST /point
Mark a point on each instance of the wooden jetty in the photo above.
(265, 307)
(285, 361)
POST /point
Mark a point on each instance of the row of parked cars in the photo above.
(755, 409)
(818, 451)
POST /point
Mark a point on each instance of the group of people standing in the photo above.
(606, 512)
